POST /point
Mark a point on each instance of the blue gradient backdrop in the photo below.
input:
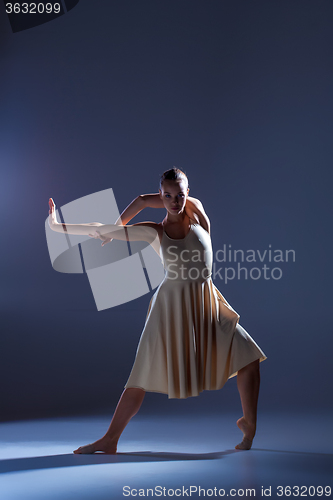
(111, 94)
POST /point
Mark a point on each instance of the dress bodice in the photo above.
(189, 258)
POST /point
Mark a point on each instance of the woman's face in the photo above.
(174, 195)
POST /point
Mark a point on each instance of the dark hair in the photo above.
(174, 174)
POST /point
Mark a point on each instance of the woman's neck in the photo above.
(175, 219)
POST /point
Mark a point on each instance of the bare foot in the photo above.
(104, 444)
(248, 431)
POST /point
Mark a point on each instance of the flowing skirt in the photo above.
(191, 341)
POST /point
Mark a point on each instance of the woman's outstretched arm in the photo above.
(139, 232)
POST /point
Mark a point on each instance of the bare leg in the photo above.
(248, 382)
(128, 405)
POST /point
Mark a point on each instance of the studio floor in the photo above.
(189, 456)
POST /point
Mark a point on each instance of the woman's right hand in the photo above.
(98, 236)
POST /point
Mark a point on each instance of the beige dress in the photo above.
(192, 340)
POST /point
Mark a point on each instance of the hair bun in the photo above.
(173, 174)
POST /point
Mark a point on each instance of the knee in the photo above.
(135, 394)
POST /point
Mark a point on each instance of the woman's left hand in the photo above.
(52, 212)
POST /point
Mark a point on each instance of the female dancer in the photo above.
(192, 340)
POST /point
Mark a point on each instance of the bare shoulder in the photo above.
(195, 201)
(197, 211)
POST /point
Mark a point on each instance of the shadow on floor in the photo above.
(72, 460)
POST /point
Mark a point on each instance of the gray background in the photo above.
(236, 93)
